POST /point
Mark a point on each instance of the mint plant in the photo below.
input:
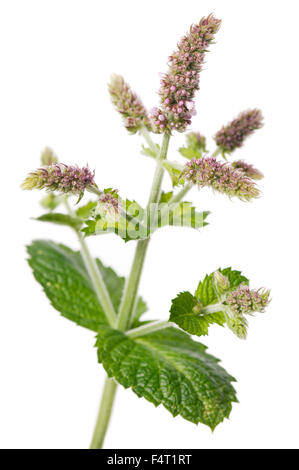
(158, 360)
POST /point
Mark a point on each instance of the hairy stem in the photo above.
(149, 328)
(179, 196)
(104, 415)
(95, 276)
(132, 284)
(146, 135)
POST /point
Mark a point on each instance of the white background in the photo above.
(56, 58)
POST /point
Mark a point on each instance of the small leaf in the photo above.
(169, 368)
(84, 212)
(183, 313)
(175, 172)
(148, 152)
(61, 219)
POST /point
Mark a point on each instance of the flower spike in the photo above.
(233, 134)
(222, 177)
(128, 104)
(248, 170)
(179, 85)
(61, 178)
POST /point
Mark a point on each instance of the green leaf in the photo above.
(183, 313)
(61, 219)
(185, 310)
(175, 172)
(190, 153)
(169, 368)
(84, 212)
(63, 276)
(148, 152)
(195, 147)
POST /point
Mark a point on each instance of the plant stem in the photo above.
(144, 132)
(97, 282)
(149, 328)
(104, 415)
(95, 276)
(132, 284)
(179, 196)
(211, 309)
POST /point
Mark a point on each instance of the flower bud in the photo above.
(108, 206)
(128, 104)
(221, 282)
(233, 134)
(248, 170)
(61, 178)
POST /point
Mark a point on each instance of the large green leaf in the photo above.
(185, 310)
(63, 276)
(167, 367)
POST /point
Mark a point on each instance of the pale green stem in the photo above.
(132, 284)
(95, 277)
(146, 135)
(149, 328)
(104, 415)
(179, 196)
(211, 309)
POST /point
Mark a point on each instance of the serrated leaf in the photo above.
(64, 278)
(183, 314)
(169, 368)
(61, 219)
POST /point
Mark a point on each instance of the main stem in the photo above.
(104, 414)
(131, 288)
(128, 302)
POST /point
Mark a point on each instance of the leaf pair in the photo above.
(166, 367)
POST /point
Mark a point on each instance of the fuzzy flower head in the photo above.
(244, 301)
(222, 177)
(179, 85)
(233, 134)
(128, 104)
(108, 206)
(61, 178)
(48, 157)
(248, 170)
